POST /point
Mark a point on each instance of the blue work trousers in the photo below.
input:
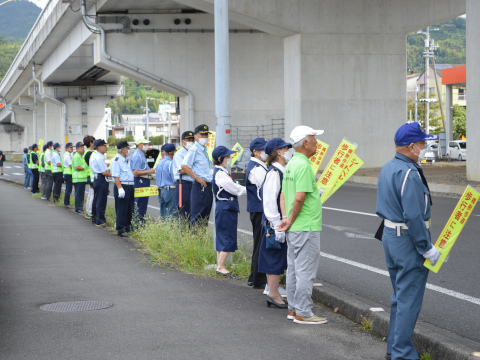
(201, 199)
(57, 185)
(141, 203)
(124, 208)
(79, 195)
(100, 189)
(409, 278)
(27, 176)
(49, 184)
(166, 198)
(68, 188)
(183, 211)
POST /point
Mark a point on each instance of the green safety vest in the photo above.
(67, 170)
(87, 167)
(79, 176)
(29, 160)
(55, 168)
(48, 167)
(41, 167)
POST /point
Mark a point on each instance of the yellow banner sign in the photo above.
(316, 160)
(211, 143)
(335, 167)
(352, 166)
(146, 191)
(454, 226)
(239, 151)
(40, 147)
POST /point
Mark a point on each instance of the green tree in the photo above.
(436, 123)
(459, 121)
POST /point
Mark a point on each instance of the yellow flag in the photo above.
(316, 160)
(239, 151)
(211, 144)
(335, 167)
(40, 146)
(454, 226)
(146, 191)
(352, 166)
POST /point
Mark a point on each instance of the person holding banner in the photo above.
(100, 184)
(226, 193)
(183, 182)
(197, 165)
(302, 220)
(165, 183)
(254, 177)
(272, 260)
(403, 201)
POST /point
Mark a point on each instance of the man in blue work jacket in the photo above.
(25, 168)
(181, 177)
(141, 171)
(165, 183)
(197, 165)
(100, 183)
(403, 201)
(123, 190)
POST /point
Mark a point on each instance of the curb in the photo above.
(438, 343)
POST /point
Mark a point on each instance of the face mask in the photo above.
(203, 141)
(287, 155)
(229, 162)
(263, 156)
(421, 156)
(188, 145)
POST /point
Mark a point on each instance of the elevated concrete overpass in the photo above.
(335, 65)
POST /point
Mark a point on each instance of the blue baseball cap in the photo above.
(34, 146)
(44, 147)
(258, 144)
(411, 133)
(25, 150)
(275, 143)
(162, 148)
(79, 144)
(56, 145)
(168, 148)
(50, 143)
(221, 151)
(67, 145)
(99, 142)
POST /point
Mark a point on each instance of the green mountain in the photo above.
(17, 18)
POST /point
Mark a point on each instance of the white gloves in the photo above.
(433, 255)
(121, 193)
(280, 236)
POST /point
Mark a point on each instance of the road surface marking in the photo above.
(18, 167)
(18, 174)
(350, 211)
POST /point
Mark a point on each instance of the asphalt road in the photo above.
(353, 260)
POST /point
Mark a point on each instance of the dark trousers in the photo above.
(186, 192)
(100, 188)
(68, 188)
(141, 203)
(36, 178)
(79, 195)
(256, 278)
(49, 184)
(124, 208)
(57, 185)
(201, 200)
(43, 181)
(27, 176)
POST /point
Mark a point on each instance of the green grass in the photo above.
(425, 356)
(366, 324)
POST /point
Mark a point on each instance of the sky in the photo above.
(40, 3)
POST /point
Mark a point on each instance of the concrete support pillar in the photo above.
(473, 88)
(448, 114)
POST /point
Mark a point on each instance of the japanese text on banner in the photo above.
(239, 151)
(335, 167)
(454, 226)
(211, 143)
(316, 160)
(40, 146)
(352, 166)
(146, 191)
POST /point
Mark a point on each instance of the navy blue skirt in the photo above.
(271, 261)
(226, 230)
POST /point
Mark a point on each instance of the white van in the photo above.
(457, 150)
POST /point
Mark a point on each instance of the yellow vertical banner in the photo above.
(211, 143)
(454, 226)
(316, 160)
(40, 147)
(239, 151)
(352, 166)
(335, 167)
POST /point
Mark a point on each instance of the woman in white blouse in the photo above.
(272, 259)
(225, 192)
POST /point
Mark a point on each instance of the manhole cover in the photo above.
(71, 306)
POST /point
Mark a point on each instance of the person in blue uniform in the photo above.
(254, 177)
(30, 174)
(273, 262)
(198, 166)
(403, 201)
(180, 176)
(2, 159)
(141, 171)
(57, 172)
(25, 168)
(123, 190)
(226, 192)
(165, 183)
(100, 183)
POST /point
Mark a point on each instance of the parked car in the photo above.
(431, 153)
(457, 150)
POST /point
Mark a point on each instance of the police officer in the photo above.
(123, 190)
(403, 201)
(197, 165)
(79, 176)
(254, 177)
(180, 176)
(57, 172)
(48, 172)
(67, 174)
(25, 168)
(41, 164)
(34, 163)
(29, 166)
(100, 184)
(165, 183)
(141, 171)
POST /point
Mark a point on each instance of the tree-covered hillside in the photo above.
(17, 18)
(8, 50)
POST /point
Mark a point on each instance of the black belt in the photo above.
(184, 182)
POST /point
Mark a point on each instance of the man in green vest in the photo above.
(34, 167)
(79, 176)
(47, 192)
(57, 172)
(67, 174)
(41, 170)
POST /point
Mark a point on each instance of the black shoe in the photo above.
(223, 274)
(388, 357)
(249, 283)
(271, 302)
(261, 286)
(123, 234)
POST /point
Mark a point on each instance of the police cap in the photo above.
(202, 129)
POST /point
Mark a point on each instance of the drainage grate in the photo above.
(71, 306)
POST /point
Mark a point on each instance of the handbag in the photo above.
(270, 242)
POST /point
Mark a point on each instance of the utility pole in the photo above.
(146, 111)
(427, 81)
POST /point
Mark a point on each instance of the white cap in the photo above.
(301, 132)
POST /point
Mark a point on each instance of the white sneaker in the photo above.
(281, 291)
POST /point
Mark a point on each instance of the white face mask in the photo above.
(263, 156)
(188, 145)
(229, 162)
(287, 155)
(203, 141)
(421, 156)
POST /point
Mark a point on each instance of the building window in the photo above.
(159, 128)
(462, 94)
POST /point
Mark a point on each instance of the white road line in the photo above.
(18, 174)
(18, 167)
(8, 167)
(349, 211)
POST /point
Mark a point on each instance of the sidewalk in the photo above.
(49, 254)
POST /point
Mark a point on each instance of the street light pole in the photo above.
(146, 111)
